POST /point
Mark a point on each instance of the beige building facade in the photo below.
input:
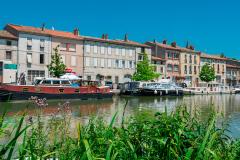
(111, 60)
(71, 51)
(175, 62)
(190, 66)
(8, 57)
(219, 65)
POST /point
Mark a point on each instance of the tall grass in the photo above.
(144, 136)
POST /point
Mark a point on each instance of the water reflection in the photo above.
(228, 105)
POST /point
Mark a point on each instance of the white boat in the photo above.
(163, 87)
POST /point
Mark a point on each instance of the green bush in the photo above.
(177, 135)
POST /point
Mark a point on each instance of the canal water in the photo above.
(227, 105)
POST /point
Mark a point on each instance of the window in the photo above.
(109, 63)
(130, 52)
(8, 55)
(42, 41)
(73, 60)
(89, 78)
(195, 69)
(176, 56)
(109, 50)
(176, 68)
(95, 49)
(88, 47)
(42, 49)
(169, 67)
(117, 63)
(120, 64)
(127, 64)
(169, 55)
(190, 69)
(123, 51)
(63, 46)
(87, 61)
(185, 59)
(102, 49)
(65, 82)
(29, 41)
(195, 59)
(29, 47)
(29, 57)
(31, 74)
(41, 59)
(8, 43)
(123, 64)
(185, 69)
(130, 64)
(102, 63)
(190, 58)
(55, 82)
(63, 59)
(116, 79)
(117, 51)
(95, 63)
(72, 47)
(140, 57)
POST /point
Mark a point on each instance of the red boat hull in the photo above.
(18, 92)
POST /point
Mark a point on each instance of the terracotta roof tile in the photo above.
(204, 55)
(7, 35)
(55, 33)
(169, 47)
(46, 32)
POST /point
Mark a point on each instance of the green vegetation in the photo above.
(56, 67)
(207, 73)
(177, 135)
(145, 71)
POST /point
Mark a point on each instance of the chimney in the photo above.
(174, 44)
(187, 45)
(126, 37)
(76, 32)
(106, 36)
(154, 41)
(103, 36)
(164, 41)
(43, 27)
(191, 47)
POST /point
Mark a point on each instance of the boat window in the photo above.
(46, 82)
(65, 82)
(56, 82)
(37, 81)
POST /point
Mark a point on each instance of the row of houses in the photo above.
(28, 50)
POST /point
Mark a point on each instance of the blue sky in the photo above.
(212, 26)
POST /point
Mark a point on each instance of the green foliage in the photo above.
(145, 71)
(177, 135)
(56, 67)
(207, 73)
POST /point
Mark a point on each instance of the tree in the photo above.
(207, 73)
(56, 67)
(145, 71)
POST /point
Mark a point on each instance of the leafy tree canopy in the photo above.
(56, 67)
(207, 73)
(145, 71)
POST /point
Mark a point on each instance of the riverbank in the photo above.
(144, 135)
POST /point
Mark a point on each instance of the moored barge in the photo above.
(53, 88)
